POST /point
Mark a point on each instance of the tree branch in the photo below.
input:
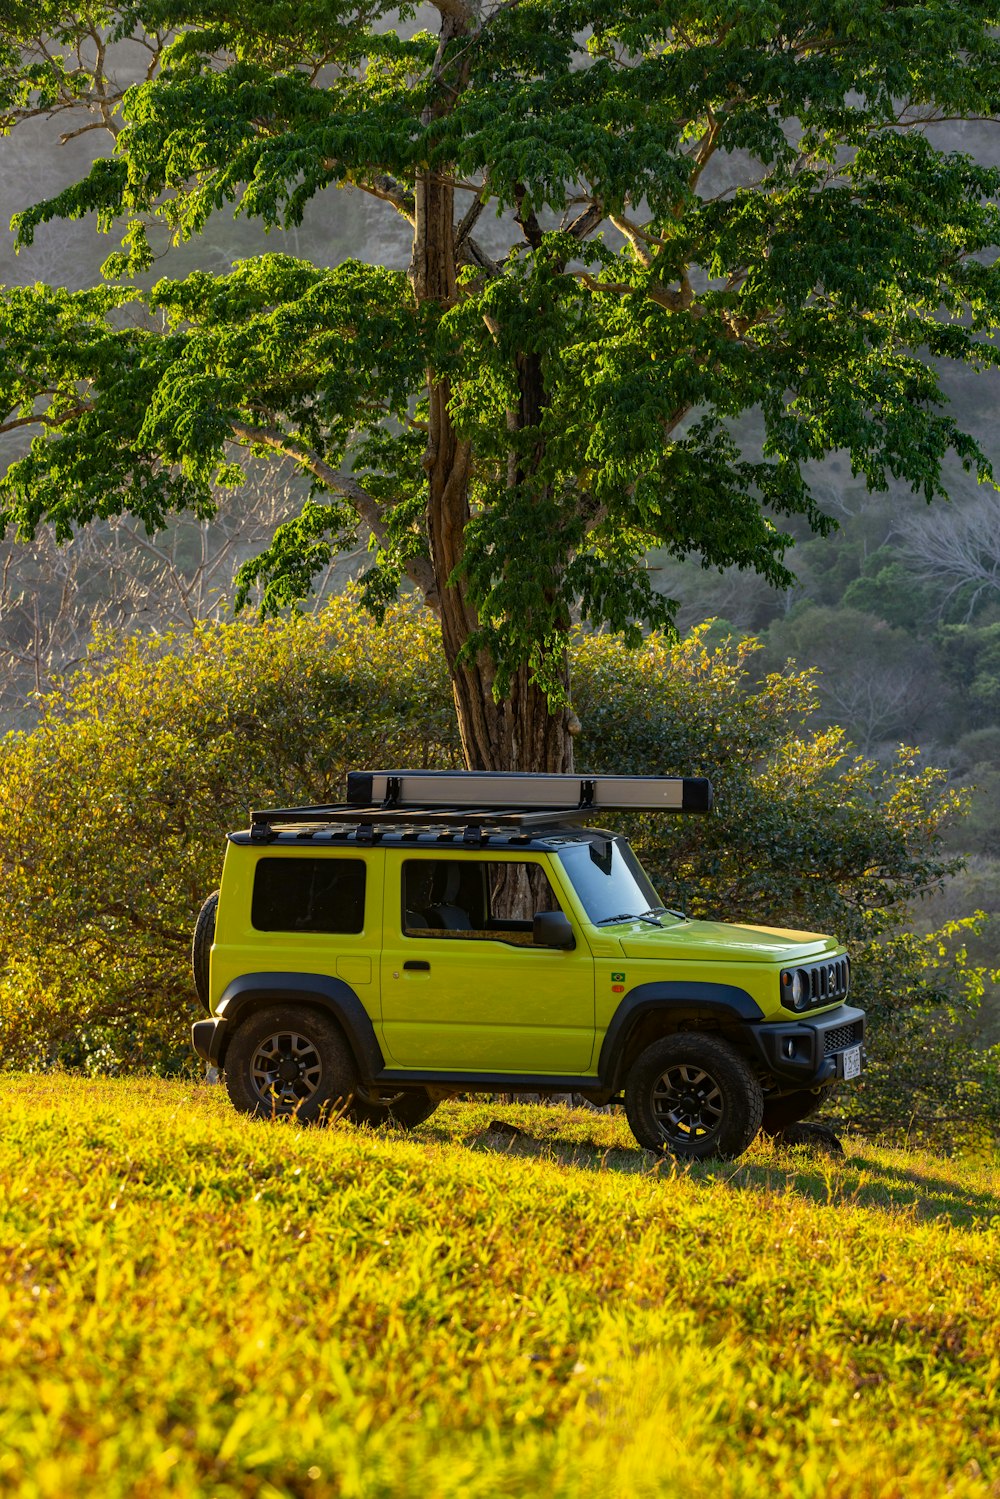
(530, 226)
(471, 252)
(71, 135)
(387, 189)
(673, 301)
(586, 222)
(706, 149)
(455, 10)
(418, 569)
(469, 220)
(41, 419)
(635, 237)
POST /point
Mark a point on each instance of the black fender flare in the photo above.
(725, 1003)
(254, 991)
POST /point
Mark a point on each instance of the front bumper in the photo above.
(809, 1053)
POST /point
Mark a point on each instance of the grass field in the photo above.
(193, 1303)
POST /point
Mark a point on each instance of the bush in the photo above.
(806, 834)
(114, 810)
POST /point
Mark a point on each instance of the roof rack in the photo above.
(477, 799)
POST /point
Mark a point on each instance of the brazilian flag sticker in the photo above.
(618, 978)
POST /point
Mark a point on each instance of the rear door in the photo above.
(463, 987)
(294, 910)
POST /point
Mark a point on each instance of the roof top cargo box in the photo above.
(455, 789)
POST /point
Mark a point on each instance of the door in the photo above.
(464, 989)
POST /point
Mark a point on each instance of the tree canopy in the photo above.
(632, 224)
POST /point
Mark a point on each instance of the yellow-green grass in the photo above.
(196, 1303)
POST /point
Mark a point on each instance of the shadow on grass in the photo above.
(936, 1197)
(856, 1179)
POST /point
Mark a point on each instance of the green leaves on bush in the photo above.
(115, 809)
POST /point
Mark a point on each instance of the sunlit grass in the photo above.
(191, 1302)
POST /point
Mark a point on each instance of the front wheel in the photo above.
(289, 1061)
(693, 1096)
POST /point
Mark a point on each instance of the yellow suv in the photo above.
(451, 932)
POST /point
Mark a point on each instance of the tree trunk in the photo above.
(518, 733)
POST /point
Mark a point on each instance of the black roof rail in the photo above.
(267, 820)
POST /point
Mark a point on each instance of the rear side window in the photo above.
(309, 895)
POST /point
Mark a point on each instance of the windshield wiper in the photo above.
(667, 911)
(629, 916)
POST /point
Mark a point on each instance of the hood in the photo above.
(721, 942)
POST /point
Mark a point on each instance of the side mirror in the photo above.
(551, 929)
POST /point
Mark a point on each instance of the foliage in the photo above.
(876, 679)
(975, 887)
(970, 655)
(700, 212)
(192, 1303)
(887, 588)
(930, 678)
(804, 831)
(113, 814)
(115, 808)
(112, 575)
(978, 761)
(805, 834)
(923, 999)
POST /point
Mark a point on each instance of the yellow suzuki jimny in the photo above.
(447, 932)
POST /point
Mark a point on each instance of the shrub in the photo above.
(113, 813)
(808, 834)
(114, 810)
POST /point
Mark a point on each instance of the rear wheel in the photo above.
(790, 1108)
(290, 1061)
(693, 1096)
(404, 1111)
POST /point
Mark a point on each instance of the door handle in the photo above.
(417, 963)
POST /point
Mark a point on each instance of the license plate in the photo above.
(852, 1062)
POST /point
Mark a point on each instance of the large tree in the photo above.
(633, 222)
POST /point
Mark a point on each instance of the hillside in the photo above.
(194, 1303)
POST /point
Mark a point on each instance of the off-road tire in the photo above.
(791, 1108)
(405, 1111)
(815, 1136)
(693, 1097)
(290, 1061)
(201, 947)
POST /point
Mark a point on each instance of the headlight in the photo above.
(795, 989)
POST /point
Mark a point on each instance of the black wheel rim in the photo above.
(286, 1070)
(687, 1104)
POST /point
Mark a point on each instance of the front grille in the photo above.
(841, 1037)
(828, 982)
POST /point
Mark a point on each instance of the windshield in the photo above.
(609, 880)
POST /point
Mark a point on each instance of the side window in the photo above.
(478, 899)
(308, 895)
